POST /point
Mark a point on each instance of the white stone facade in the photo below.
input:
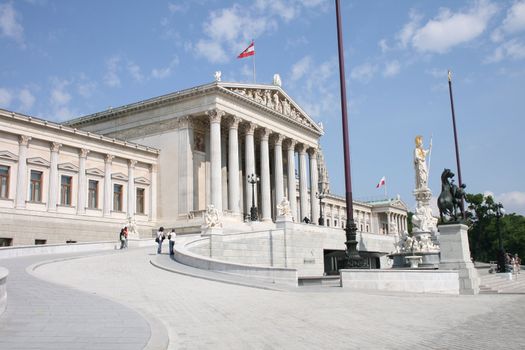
(184, 151)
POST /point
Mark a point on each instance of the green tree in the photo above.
(483, 230)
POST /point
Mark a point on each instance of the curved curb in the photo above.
(214, 279)
(159, 338)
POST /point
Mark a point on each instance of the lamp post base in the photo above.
(353, 259)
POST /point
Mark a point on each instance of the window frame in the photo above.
(68, 191)
(95, 194)
(120, 203)
(6, 177)
(32, 183)
(140, 201)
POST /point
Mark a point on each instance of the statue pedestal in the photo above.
(211, 231)
(284, 221)
(414, 261)
(455, 255)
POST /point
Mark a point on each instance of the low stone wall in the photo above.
(18, 251)
(3, 289)
(413, 281)
(266, 274)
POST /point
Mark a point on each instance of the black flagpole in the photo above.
(455, 137)
(353, 257)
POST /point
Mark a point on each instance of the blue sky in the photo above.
(64, 59)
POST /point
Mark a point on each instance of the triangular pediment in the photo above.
(68, 167)
(38, 161)
(119, 176)
(142, 180)
(399, 204)
(95, 172)
(6, 155)
(274, 98)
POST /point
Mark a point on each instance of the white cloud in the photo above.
(513, 49)
(513, 202)
(515, 20)
(364, 72)
(85, 87)
(212, 51)
(173, 8)
(161, 73)
(300, 68)
(113, 67)
(392, 69)
(5, 98)
(9, 25)
(59, 100)
(437, 73)
(383, 45)
(135, 71)
(447, 29)
(286, 10)
(27, 100)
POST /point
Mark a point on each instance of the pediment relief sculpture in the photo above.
(275, 100)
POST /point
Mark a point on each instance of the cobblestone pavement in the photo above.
(202, 314)
(42, 315)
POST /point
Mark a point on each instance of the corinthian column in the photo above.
(314, 186)
(233, 165)
(131, 187)
(81, 188)
(153, 193)
(215, 157)
(53, 178)
(21, 181)
(107, 184)
(303, 183)
(278, 160)
(291, 179)
(266, 202)
(250, 166)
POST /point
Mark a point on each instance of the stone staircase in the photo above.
(501, 284)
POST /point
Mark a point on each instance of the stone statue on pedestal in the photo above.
(212, 218)
(420, 164)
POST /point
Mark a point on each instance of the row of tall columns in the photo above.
(400, 220)
(53, 177)
(81, 199)
(131, 187)
(21, 188)
(233, 193)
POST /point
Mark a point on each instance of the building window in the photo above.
(117, 197)
(65, 190)
(335, 223)
(36, 186)
(6, 242)
(328, 222)
(40, 241)
(93, 194)
(140, 200)
(4, 181)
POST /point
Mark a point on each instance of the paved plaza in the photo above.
(121, 300)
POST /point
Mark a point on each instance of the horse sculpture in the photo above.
(446, 198)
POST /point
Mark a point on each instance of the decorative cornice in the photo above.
(68, 167)
(6, 155)
(38, 161)
(119, 176)
(142, 180)
(95, 172)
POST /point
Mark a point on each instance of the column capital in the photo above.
(290, 144)
(312, 152)
(83, 153)
(55, 146)
(215, 115)
(250, 128)
(278, 139)
(265, 133)
(234, 122)
(132, 163)
(23, 140)
(186, 121)
(301, 148)
(109, 158)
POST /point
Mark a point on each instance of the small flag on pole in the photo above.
(381, 182)
(250, 51)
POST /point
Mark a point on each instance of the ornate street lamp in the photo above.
(321, 197)
(498, 211)
(253, 179)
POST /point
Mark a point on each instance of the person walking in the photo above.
(126, 237)
(159, 239)
(122, 238)
(517, 263)
(171, 238)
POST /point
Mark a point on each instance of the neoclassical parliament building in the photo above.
(162, 161)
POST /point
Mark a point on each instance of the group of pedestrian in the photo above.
(161, 236)
(123, 237)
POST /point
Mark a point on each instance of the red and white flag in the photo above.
(250, 51)
(381, 182)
